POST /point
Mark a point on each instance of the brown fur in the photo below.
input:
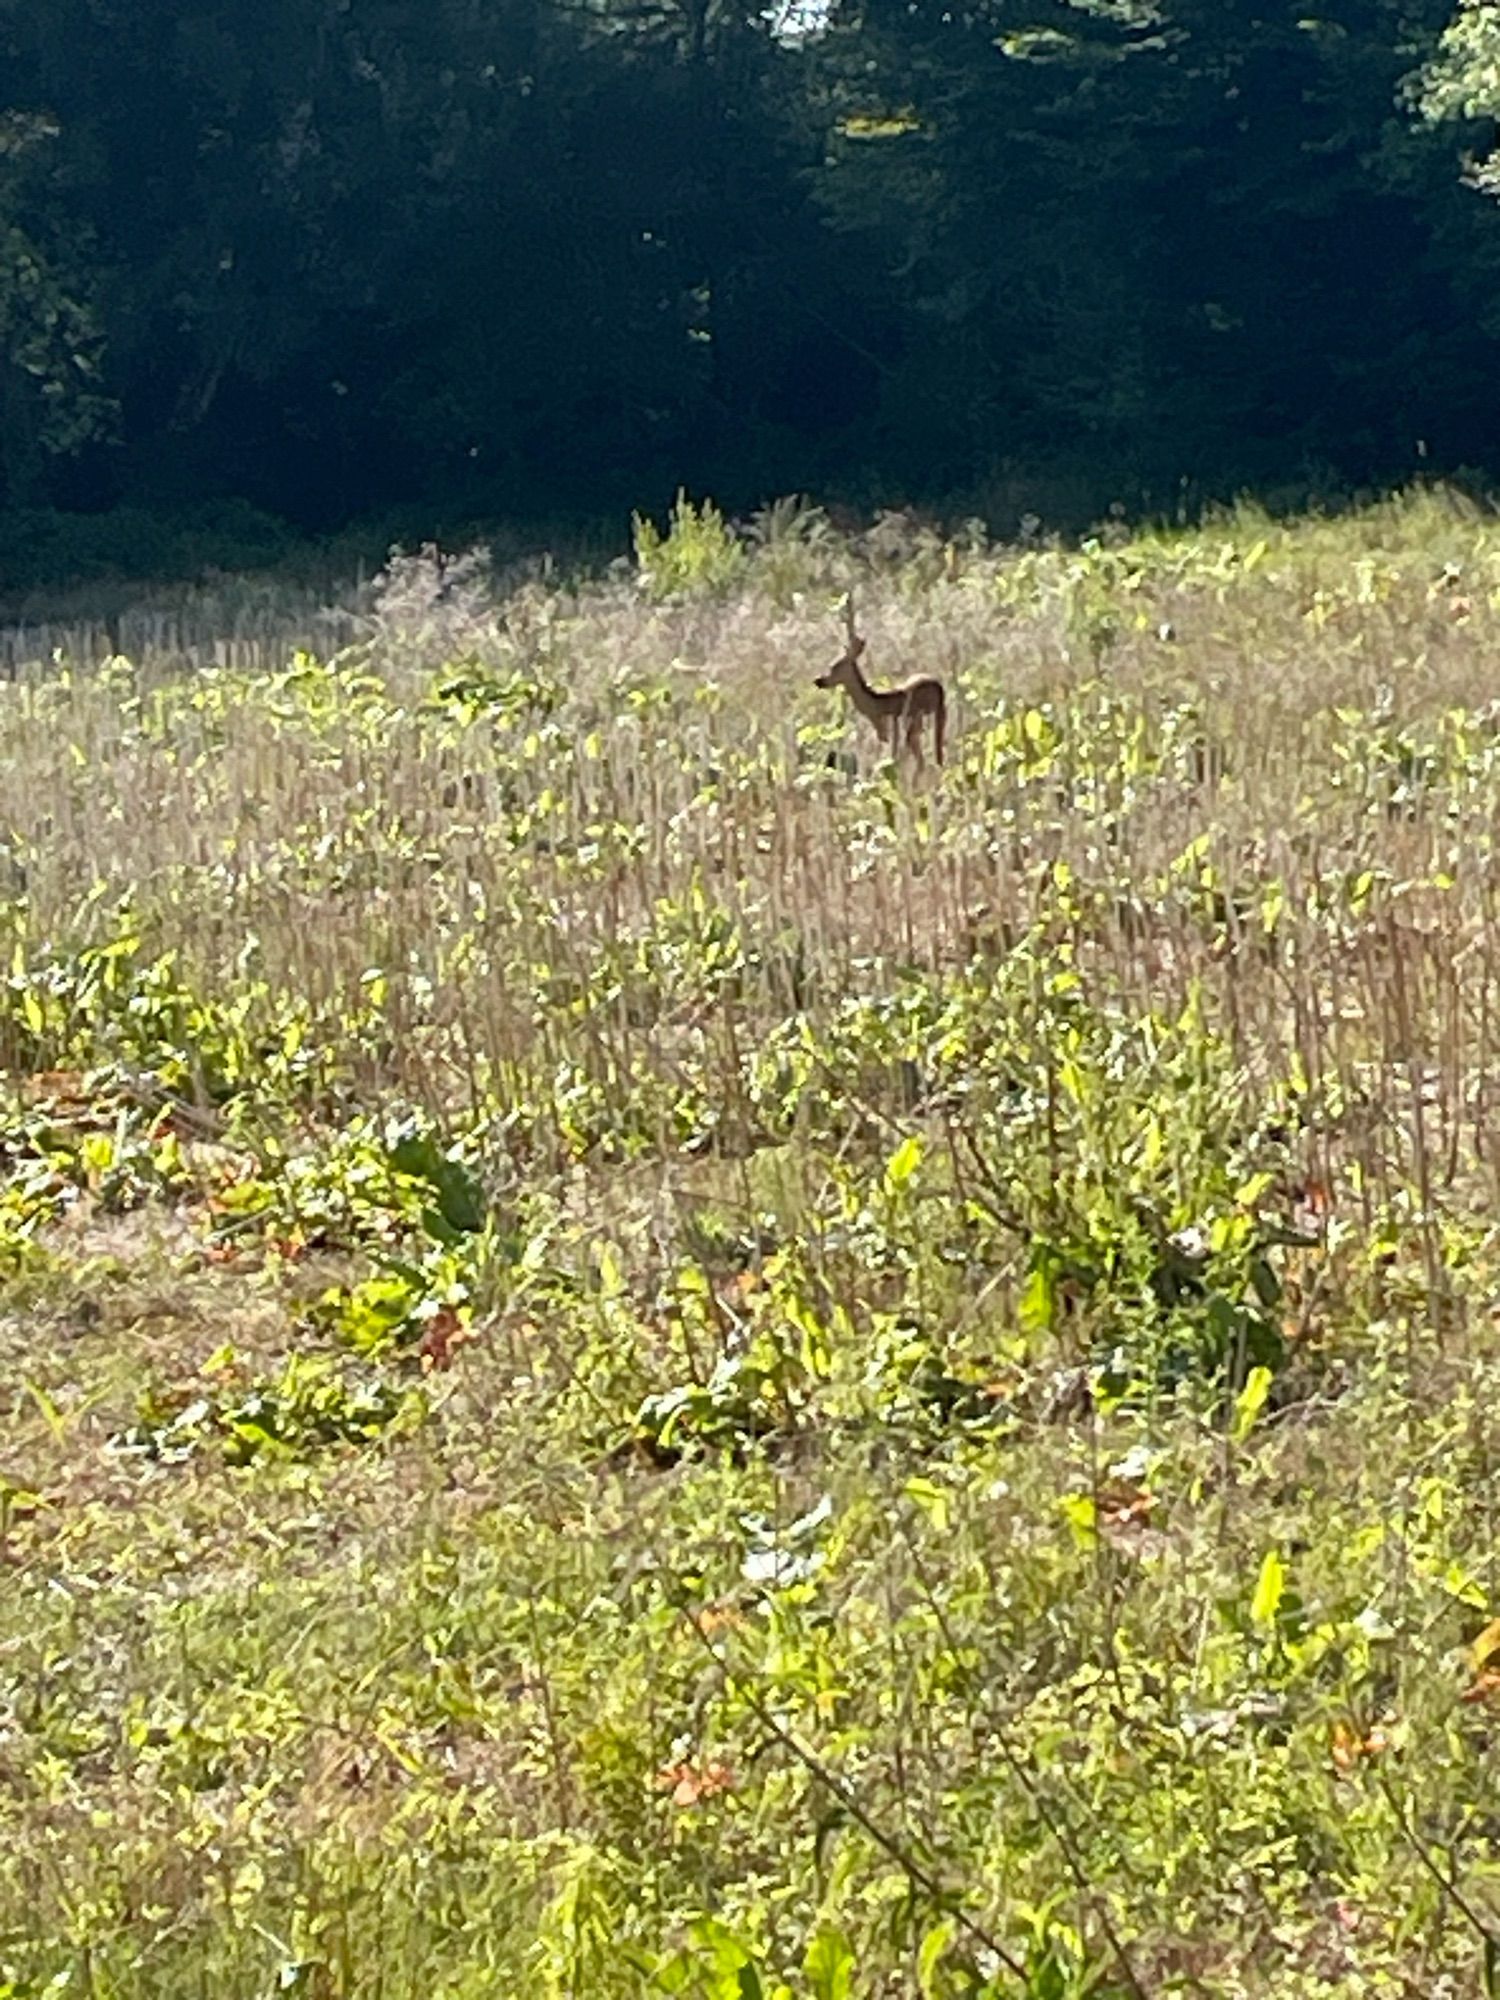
(890, 709)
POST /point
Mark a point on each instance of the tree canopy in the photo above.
(520, 256)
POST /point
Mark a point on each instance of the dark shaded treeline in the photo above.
(507, 257)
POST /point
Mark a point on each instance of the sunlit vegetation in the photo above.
(643, 1355)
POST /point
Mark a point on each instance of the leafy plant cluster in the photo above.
(636, 1361)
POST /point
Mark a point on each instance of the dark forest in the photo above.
(286, 267)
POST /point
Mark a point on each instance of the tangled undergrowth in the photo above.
(644, 1356)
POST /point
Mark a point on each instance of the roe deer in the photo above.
(911, 704)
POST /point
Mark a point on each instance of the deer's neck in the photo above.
(869, 701)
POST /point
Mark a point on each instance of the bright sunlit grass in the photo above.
(643, 1356)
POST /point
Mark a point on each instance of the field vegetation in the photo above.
(641, 1355)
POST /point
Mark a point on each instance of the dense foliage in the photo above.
(638, 1357)
(332, 256)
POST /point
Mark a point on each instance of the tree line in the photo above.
(516, 257)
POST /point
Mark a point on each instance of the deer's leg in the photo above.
(939, 726)
(914, 733)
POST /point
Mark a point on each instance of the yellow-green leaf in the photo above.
(903, 1163)
(1270, 1587)
(1250, 1402)
(933, 1500)
(1486, 1645)
(1082, 1517)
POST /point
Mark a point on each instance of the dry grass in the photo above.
(889, 1186)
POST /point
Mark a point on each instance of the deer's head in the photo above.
(845, 669)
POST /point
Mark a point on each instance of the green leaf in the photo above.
(902, 1164)
(930, 1957)
(1467, 1589)
(1250, 1402)
(729, 1972)
(1046, 1979)
(611, 1273)
(829, 1966)
(1082, 1516)
(1073, 1081)
(1270, 1587)
(935, 1501)
(1038, 1301)
(459, 1196)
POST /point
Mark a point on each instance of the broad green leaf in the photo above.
(460, 1198)
(730, 1972)
(829, 1966)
